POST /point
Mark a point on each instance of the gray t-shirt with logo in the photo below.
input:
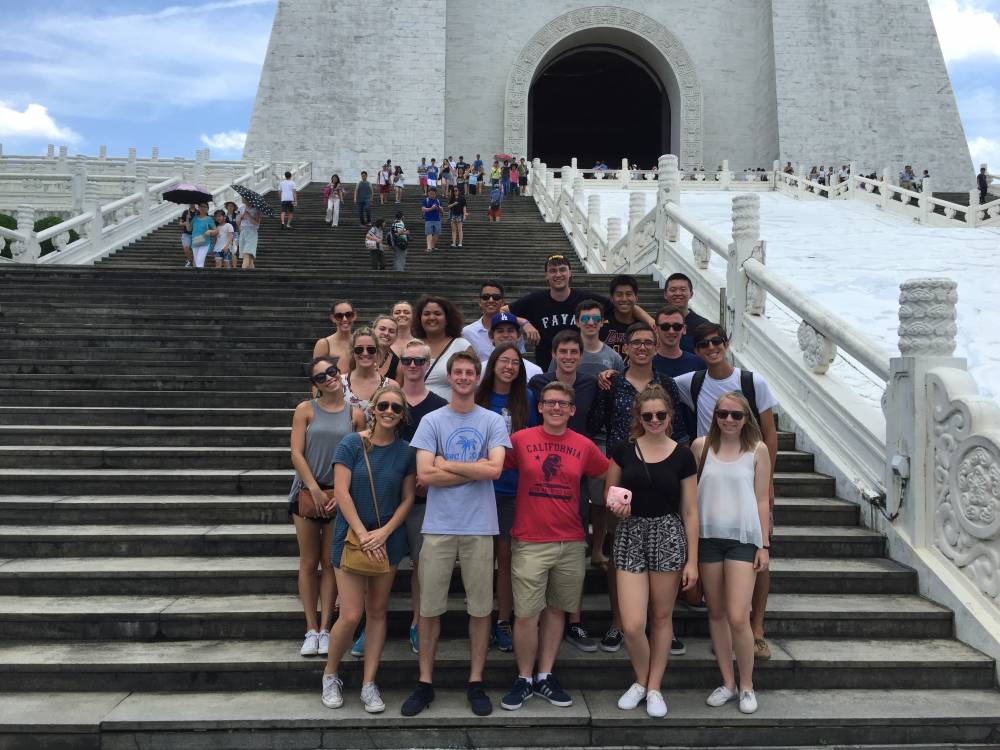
(594, 363)
(468, 508)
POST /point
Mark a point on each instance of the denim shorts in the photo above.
(432, 228)
(505, 515)
(715, 550)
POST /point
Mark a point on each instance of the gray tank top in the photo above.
(323, 435)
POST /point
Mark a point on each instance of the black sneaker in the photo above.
(419, 699)
(552, 691)
(479, 701)
(677, 647)
(579, 637)
(517, 695)
(612, 640)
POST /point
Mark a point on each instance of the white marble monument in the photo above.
(349, 83)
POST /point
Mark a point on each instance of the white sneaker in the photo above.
(656, 707)
(372, 699)
(720, 696)
(333, 691)
(323, 647)
(632, 697)
(748, 702)
(310, 646)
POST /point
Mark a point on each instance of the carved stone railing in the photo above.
(106, 227)
(923, 461)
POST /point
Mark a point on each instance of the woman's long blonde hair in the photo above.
(750, 435)
(652, 392)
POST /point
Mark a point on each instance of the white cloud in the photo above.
(34, 122)
(985, 151)
(966, 29)
(231, 141)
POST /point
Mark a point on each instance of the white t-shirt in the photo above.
(224, 236)
(287, 188)
(711, 389)
(437, 377)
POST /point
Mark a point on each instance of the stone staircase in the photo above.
(147, 566)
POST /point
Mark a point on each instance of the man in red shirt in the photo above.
(548, 544)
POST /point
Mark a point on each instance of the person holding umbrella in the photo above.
(249, 220)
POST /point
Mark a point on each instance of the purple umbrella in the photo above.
(186, 194)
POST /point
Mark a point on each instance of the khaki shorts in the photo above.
(437, 563)
(546, 574)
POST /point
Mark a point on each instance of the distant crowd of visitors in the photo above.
(630, 441)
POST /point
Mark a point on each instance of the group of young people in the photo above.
(506, 173)
(441, 441)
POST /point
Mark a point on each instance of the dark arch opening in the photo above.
(598, 102)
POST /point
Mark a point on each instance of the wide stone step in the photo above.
(56, 397)
(204, 355)
(297, 720)
(294, 366)
(175, 576)
(41, 417)
(155, 437)
(198, 617)
(796, 663)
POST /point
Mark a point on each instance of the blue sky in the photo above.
(147, 72)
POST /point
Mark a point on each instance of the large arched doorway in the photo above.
(598, 103)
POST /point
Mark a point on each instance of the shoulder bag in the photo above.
(353, 558)
(307, 508)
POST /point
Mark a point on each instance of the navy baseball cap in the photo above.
(504, 317)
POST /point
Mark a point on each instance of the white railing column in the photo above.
(593, 222)
(746, 239)
(79, 185)
(972, 215)
(625, 175)
(573, 163)
(924, 201)
(636, 209)
(726, 178)
(50, 151)
(154, 154)
(668, 190)
(61, 162)
(199, 166)
(95, 230)
(614, 230)
(28, 249)
(102, 152)
(142, 187)
(130, 167)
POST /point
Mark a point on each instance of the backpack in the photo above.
(399, 241)
(495, 199)
(746, 388)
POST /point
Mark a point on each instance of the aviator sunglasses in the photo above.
(321, 377)
(647, 416)
(384, 406)
(370, 349)
(590, 319)
(736, 416)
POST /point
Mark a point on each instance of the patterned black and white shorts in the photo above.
(658, 544)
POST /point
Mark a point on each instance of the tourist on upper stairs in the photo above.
(363, 377)
(289, 200)
(700, 390)
(432, 176)
(734, 467)
(232, 218)
(333, 196)
(655, 551)
(224, 238)
(495, 210)
(202, 227)
(338, 344)
(375, 244)
(445, 177)
(567, 349)
(477, 333)
(983, 183)
(495, 173)
(522, 175)
(383, 180)
(399, 240)
(473, 181)
(431, 208)
(462, 170)
(375, 474)
(460, 452)
(402, 313)
(477, 167)
(925, 176)
(504, 328)
(515, 178)
(503, 389)
(548, 546)
(678, 292)
(249, 220)
(458, 212)
(438, 322)
(398, 183)
(907, 179)
(789, 169)
(612, 412)
(318, 426)
(422, 174)
(414, 364)
(363, 200)
(386, 330)
(505, 177)
(185, 221)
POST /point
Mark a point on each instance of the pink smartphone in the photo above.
(618, 497)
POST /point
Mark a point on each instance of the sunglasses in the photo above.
(491, 297)
(671, 327)
(384, 406)
(418, 361)
(642, 344)
(344, 316)
(714, 341)
(648, 416)
(736, 416)
(590, 319)
(365, 349)
(321, 377)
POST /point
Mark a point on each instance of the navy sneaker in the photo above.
(504, 636)
(479, 701)
(517, 695)
(419, 699)
(552, 691)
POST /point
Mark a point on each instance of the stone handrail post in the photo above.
(668, 190)
(593, 219)
(92, 203)
(972, 215)
(61, 165)
(746, 244)
(1, 149)
(79, 185)
(130, 167)
(636, 209)
(199, 167)
(573, 163)
(925, 200)
(887, 176)
(154, 154)
(614, 233)
(50, 151)
(625, 175)
(27, 250)
(726, 178)
(577, 191)
(102, 152)
(775, 172)
(142, 187)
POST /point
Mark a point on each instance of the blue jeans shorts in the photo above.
(432, 228)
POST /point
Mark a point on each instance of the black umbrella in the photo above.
(256, 200)
(186, 194)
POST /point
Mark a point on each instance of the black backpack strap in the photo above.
(697, 381)
(749, 392)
